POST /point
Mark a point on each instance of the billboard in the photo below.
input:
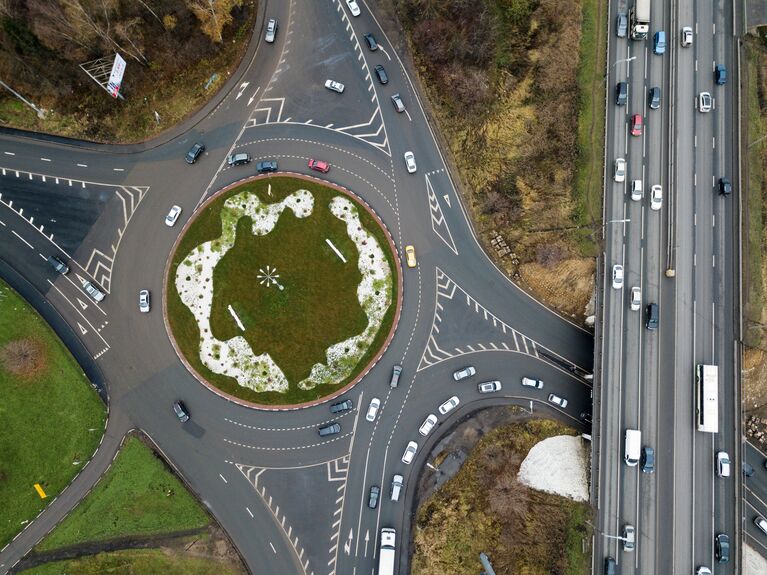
(116, 77)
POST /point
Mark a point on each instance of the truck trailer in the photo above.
(640, 19)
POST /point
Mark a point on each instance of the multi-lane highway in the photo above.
(683, 257)
(291, 501)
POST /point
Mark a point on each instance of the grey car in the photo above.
(396, 371)
(266, 166)
(180, 410)
(467, 371)
(271, 30)
(381, 73)
(375, 492)
(396, 99)
(653, 98)
(342, 406)
(58, 264)
(622, 25)
(238, 159)
(95, 293)
(330, 429)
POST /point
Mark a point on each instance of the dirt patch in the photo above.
(24, 358)
(755, 382)
(211, 543)
(567, 286)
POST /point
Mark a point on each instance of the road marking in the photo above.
(9, 153)
(249, 511)
(45, 159)
(242, 89)
(236, 317)
(82, 329)
(335, 249)
(22, 239)
(272, 546)
(82, 165)
(223, 478)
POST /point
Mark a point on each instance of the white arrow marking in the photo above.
(253, 97)
(242, 89)
(367, 539)
(82, 329)
(447, 199)
(348, 544)
(82, 303)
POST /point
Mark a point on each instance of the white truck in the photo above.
(386, 553)
(640, 19)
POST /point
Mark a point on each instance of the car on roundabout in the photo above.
(410, 451)
(410, 162)
(531, 382)
(556, 400)
(373, 408)
(143, 301)
(449, 405)
(319, 166)
(334, 86)
(464, 373)
(173, 214)
(489, 386)
(428, 424)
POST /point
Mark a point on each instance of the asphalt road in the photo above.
(649, 375)
(291, 501)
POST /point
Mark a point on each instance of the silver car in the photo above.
(530, 382)
(428, 424)
(95, 293)
(629, 536)
(617, 276)
(334, 86)
(556, 400)
(143, 301)
(705, 102)
(410, 162)
(173, 214)
(271, 30)
(467, 371)
(489, 386)
(636, 298)
(656, 197)
(620, 170)
(409, 455)
(372, 412)
(622, 25)
(449, 405)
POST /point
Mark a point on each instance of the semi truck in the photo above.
(640, 19)
(386, 553)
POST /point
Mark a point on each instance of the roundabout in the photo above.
(282, 291)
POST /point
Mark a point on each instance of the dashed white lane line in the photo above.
(299, 428)
(82, 165)
(251, 515)
(293, 448)
(223, 478)
(45, 159)
(272, 546)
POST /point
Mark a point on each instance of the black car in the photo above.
(725, 187)
(381, 73)
(180, 410)
(194, 153)
(375, 491)
(342, 406)
(266, 166)
(653, 98)
(621, 93)
(331, 429)
(58, 264)
(748, 471)
(648, 460)
(372, 44)
(609, 566)
(722, 548)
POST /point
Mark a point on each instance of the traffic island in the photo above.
(282, 291)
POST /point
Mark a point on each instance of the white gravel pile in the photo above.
(558, 465)
(753, 563)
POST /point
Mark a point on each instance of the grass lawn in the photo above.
(52, 419)
(134, 562)
(137, 496)
(318, 308)
(587, 191)
(484, 508)
(755, 239)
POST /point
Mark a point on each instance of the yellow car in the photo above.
(410, 254)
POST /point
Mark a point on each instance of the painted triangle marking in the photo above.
(82, 303)
(82, 329)
(447, 199)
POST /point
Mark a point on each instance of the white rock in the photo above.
(558, 465)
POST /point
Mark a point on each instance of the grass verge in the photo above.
(484, 508)
(52, 418)
(137, 496)
(297, 325)
(135, 562)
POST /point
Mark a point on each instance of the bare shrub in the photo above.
(23, 357)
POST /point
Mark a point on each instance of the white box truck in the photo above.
(386, 553)
(633, 447)
(640, 19)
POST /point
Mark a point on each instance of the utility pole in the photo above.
(40, 113)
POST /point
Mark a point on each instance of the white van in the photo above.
(633, 447)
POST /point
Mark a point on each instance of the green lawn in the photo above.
(591, 121)
(138, 496)
(134, 562)
(52, 420)
(295, 326)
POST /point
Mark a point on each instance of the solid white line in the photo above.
(45, 159)
(335, 249)
(22, 239)
(82, 165)
(223, 478)
(249, 511)
(272, 546)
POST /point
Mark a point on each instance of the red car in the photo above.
(636, 125)
(320, 166)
